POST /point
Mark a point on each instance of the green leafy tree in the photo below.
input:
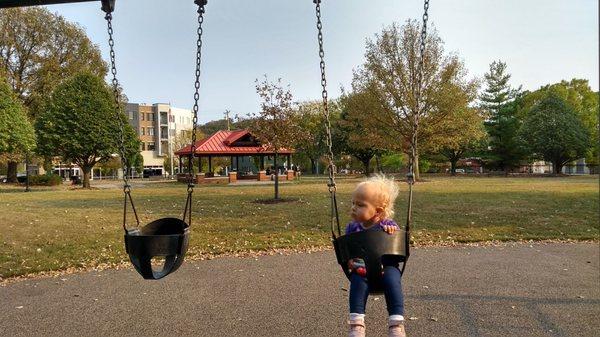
(275, 125)
(355, 133)
(17, 136)
(80, 125)
(38, 50)
(463, 134)
(501, 106)
(553, 132)
(580, 97)
(390, 74)
(310, 119)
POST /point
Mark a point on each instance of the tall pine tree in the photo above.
(501, 105)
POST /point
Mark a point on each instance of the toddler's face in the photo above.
(363, 207)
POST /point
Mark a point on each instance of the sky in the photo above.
(542, 42)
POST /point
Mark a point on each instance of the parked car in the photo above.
(460, 171)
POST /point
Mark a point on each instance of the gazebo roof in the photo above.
(230, 143)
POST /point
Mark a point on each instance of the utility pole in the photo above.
(226, 113)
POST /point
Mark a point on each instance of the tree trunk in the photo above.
(416, 168)
(276, 176)
(86, 176)
(378, 163)
(557, 167)
(11, 174)
(366, 165)
(453, 166)
(313, 166)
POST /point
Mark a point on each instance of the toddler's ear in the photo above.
(379, 211)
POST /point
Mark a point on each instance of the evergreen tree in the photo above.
(501, 105)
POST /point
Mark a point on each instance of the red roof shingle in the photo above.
(220, 143)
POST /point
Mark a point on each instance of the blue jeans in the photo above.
(392, 282)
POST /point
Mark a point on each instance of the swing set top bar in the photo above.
(23, 3)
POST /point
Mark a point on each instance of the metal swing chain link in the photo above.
(335, 220)
(190, 188)
(118, 115)
(421, 65)
(331, 168)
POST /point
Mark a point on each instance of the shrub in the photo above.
(424, 165)
(45, 180)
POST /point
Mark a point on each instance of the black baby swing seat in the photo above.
(371, 246)
(167, 238)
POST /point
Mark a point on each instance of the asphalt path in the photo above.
(509, 290)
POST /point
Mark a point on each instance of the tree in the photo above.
(274, 126)
(17, 136)
(390, 74)
(580, 97)
(80, 125)
(501, 105)
(310, 119)
(355, 134)
(553, 132)
(463, 133)
(38, 49)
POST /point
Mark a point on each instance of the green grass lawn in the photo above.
(55, 229)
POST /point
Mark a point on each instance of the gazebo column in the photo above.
(210, 164)
(180, 164)
(262, 162)
(231, 161)
(289, 174)
(199, 164)
(237, 163)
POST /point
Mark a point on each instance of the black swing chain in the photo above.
(418, 91)
(119, 116)
(331, 166)
(190, 189)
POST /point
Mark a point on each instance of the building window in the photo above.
(151, 147)
(150, 116)
(143, 132)
(143, 146)
(142, 116)
(150, 131)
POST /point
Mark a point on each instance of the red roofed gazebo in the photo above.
(238, 145)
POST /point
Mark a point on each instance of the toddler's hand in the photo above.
(389, 229)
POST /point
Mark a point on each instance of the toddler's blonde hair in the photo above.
(386, 192)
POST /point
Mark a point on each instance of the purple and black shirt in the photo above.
(356, 226)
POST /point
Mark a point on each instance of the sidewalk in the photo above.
(510, 290)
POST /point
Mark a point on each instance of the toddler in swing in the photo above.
(373, 209)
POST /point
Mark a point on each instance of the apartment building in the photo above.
(157, 125)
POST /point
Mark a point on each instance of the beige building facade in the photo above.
(157, 125)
